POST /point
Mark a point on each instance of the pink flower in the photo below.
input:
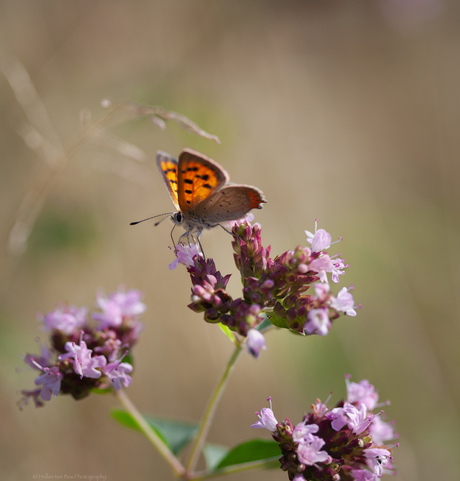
(355, 418)
(319, 408)
(309, 453)
(129, 302)
(299, 477)
(363, 475)
(185, 255)
(320, 240)
(321, 265)
(111, 313)
(249, 218)
(337, 266)
(378, 458)
(362, 392)
(318, 322)
(344, 302)
(380, 431)
(302, 432)
(267, 419)
(51, 380)
(84, 364)
(36, 361)
(117, 373)
(255, 342)
(339, 418)
(322, 291)
(117, 306)
(66, 319)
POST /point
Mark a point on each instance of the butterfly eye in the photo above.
(178, 218)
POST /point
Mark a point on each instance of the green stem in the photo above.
(210, 411)
(236, 468)
(151, 435)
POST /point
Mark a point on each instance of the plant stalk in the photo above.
(151, 435)
(210, 411)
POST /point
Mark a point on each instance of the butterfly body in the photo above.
(201, 191)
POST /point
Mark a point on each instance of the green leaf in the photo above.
(175, 434)
(254, 450)
(228, 332)
(213, 454)
(278, 321)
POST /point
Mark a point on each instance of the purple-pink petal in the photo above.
(318, 322)
(51, 381)
(266, 420)
(380, 431)
(310, 453)
(362, 392)
(66, 319)
(255, 342)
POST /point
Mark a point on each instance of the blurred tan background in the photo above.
(343, 110)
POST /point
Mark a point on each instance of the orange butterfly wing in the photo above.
(168, 168)
(198, 177)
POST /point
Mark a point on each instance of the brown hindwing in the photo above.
(232, 202)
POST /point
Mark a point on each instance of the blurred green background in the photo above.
(347, 111)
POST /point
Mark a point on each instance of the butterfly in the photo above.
(202, 193)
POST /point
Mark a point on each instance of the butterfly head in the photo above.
(177, 218)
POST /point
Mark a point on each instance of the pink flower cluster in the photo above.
(86, 355)
(273, 288)
(345, 443)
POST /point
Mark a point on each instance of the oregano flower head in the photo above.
(290, 290)
(84, 355)
(345, 443)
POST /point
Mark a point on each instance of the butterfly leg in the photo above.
(190, 234)
(183, 235)
(199, 243)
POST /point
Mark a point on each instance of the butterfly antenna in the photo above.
(148, 218)
(160, 221)
(226, 230)
(230, 232)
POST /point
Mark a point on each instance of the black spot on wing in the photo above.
(188, 181)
